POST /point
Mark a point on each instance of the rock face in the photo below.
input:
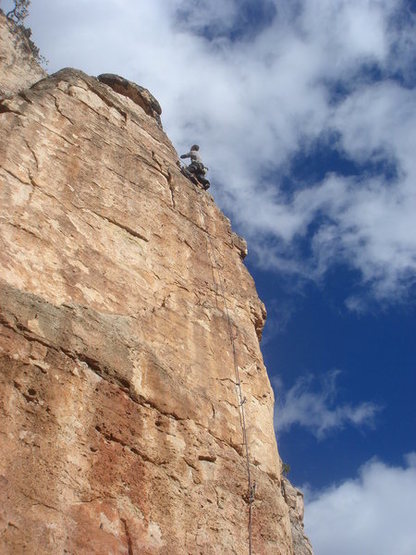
(19, 69)
(122, 291)
(294, 500)
(138, 94)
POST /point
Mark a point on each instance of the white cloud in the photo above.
(256, 103)
(317, 411)
(372, 514)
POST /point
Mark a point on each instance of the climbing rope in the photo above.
(241, 399)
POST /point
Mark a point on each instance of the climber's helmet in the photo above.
(195, 147)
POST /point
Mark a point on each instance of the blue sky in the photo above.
(305, 111)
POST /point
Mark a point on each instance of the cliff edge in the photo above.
(122, 297)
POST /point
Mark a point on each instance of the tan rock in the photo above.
(138, 94)
(121, 291)
(294, 500)
(19, 69)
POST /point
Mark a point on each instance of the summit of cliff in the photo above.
(128, 323)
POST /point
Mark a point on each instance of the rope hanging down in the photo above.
(241, 399)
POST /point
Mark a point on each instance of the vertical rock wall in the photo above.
(119, 284)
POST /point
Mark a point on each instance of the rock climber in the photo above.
(196, 168)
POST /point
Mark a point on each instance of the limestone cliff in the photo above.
(122, 291)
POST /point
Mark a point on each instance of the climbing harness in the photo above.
(251, 489)
(197, 179)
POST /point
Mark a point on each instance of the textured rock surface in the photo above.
(138, 94)
(118, 408)
(19, 69)
(294, 500)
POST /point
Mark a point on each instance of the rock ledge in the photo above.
(139, 95)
